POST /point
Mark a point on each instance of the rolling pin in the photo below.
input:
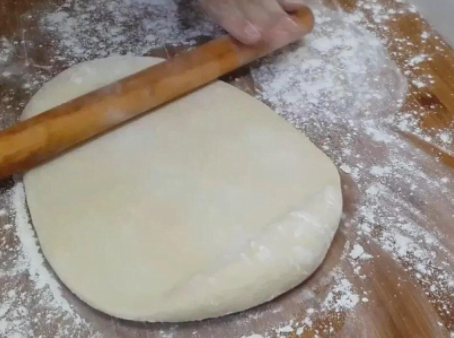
(41, 138)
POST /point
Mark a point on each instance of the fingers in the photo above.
(253, 21)
(241, 30)
(291, 5)
(284, 32)
(231, 17)
(275, 25)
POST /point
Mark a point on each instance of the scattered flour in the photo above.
(345, 168)
(86, 30)
(339, 86)
(346, 298)
(6, 51)
(358, 253)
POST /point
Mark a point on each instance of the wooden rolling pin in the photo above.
(44, 136)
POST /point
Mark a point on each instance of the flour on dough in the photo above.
(211, 205)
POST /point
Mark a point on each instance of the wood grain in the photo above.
(399, 304)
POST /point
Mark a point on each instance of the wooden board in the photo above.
(391, 298)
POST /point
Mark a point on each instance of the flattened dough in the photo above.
(211, 205)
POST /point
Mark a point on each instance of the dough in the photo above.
(211, 205)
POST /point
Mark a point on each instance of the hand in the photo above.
(253, 21)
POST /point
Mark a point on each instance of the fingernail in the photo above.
(252, 33)
(287, 24)
(283, 32)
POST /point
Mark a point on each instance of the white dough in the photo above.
(211, 205)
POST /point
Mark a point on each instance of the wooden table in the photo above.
(394, 301)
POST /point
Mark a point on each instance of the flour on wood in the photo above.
(405, 233)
